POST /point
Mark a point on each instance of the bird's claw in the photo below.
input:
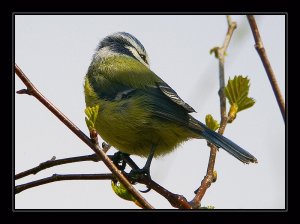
(138, 173)
(146, 191)
(141, 173)
(118, 161)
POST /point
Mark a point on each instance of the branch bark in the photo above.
(177, 201)
(51, 163)
(266, 63)
(208, 179)
(32, 90)
(60, 177)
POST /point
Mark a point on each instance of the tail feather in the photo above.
(226, 144)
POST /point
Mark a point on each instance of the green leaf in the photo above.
(91, 113)
(236, 92)
(211, 122)
(122, 192)
(214, 51)
(89, 124)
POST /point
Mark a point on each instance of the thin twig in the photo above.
(177, 201)
(31, 90)
(221, 55)
(51, 163)
(267, 65)
(208, 179)
(60, 177)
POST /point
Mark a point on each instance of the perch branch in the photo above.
(177, 201)
(267, 65)
(31, 90)
(208, 179)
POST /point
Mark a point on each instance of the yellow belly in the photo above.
(133, 130)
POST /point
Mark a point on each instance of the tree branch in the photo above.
(177, 201)
(31, 90)
(267, 65)
(208, 179)
(51, 163)
(60, 177)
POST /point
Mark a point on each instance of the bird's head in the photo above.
(121, 44)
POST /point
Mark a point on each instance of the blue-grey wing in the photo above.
(169, 92)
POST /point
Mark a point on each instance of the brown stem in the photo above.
(176, 200)
(51, 163)
(221, 55)
(31, 90)
(208, 179)
(60, 177)
(266, 63)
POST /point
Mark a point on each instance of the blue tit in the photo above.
(139, 113)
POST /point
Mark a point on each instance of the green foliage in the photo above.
(211, 122)
(122, 192)
(215, 51)
(91, 113)
(236, 92)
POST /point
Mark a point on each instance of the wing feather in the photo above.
(169, 92)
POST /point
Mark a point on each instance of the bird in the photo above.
(139, 113)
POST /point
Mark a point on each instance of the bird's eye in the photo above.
(143, 57)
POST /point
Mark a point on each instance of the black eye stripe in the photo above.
(143, 57)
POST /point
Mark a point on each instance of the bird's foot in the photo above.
(118, 161)
(137, 174)
(140, 173)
